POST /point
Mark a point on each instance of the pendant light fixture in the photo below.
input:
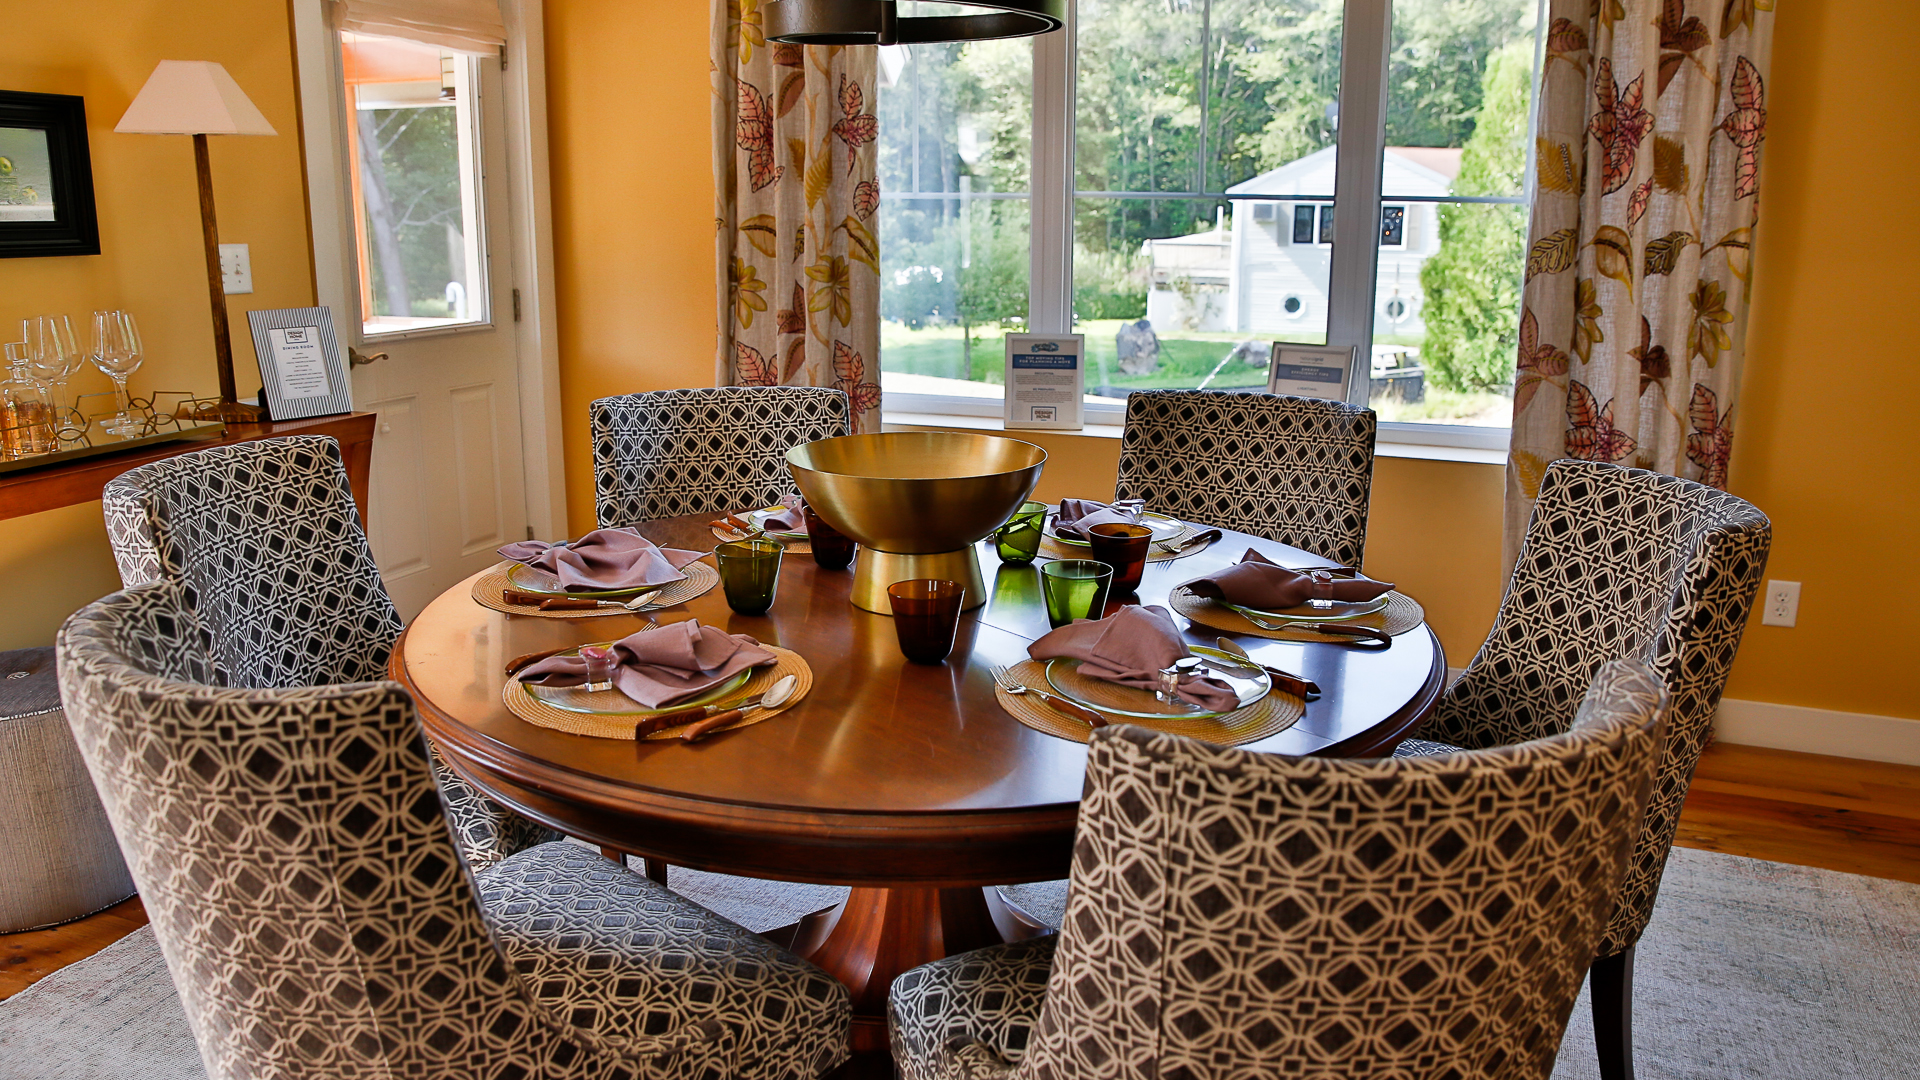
(875, 22)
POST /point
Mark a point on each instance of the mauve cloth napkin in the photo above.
(662, 666)
(1078, 515)
(1131, 648)
(789, 518)
(603, 559)
(1256, 582)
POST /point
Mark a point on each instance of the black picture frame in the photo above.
(75, 229)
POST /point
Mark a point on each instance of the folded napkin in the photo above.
(1076, 516)
(1256, 582)
(1131, 648)
(789, 518)
(603, 559)
(660, 667)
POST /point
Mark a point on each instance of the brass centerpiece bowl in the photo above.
(916, 502)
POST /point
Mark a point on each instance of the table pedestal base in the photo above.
(878, 933)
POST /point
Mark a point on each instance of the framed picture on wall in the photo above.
(46, 177)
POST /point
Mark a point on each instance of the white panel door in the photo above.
(423, 141)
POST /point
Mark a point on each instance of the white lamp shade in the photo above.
(192, 97)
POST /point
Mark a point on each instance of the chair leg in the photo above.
(655, 869)
(1610, 984)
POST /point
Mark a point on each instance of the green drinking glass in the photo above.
(749, 572)
(1075, 589)
(1018, 540)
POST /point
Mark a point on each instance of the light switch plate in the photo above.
(1783, 603)
(236, 269)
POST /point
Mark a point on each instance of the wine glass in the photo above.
(52, 355)
(116, 351)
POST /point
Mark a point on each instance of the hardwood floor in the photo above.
(1861, 817)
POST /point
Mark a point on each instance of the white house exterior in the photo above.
(1268, 272)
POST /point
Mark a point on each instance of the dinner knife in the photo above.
(1352, 630)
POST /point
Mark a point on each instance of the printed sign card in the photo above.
(1046, 381)
(1311, 371)
(300, 362)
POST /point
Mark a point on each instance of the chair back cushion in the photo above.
(290, 850)
(1296, 470)
(1617, 563)
(704, 451)
(1243, 914)
(266, 540)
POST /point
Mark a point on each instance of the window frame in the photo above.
(1359, 164)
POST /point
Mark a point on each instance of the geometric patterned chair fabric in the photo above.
(1295, 470)
(1616, 563)
(266, 541)
(292, 855)
(1239, 914)
(704, 451)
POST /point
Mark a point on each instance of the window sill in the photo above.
(898, 421)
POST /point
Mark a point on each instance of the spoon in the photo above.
(1285, 680)
(776, 696)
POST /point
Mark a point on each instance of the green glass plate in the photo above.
(522, 576)
(1164, 528)
(615, 703)
(1063, 674)
(1341, 609)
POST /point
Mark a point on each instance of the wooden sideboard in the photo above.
(66, 483)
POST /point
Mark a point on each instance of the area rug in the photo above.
(1750, 969)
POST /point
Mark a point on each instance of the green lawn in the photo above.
(1185, 360)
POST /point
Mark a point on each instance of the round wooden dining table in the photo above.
(906, 781)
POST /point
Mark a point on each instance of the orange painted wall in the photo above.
(633, 218)
(151, 261)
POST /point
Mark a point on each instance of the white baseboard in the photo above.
(1810, 731)
(1818, 731)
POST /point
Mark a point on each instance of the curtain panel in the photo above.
(1640, 252)
(795, 217)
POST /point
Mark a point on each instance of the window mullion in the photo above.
(1356, 222)
(1050, 280)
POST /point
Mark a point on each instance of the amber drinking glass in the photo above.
(832, 549)
(749, 572)
(1123, 547)
(1018, 541)
(1075, 589)
(926, 612)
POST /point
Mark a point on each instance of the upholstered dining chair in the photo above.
(1616, 563)
(703, 451)
(1233, 913)
(1296, 470)
(304, 889)
(266, 540)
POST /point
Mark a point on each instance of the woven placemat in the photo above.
(486, 592)
(534, 711)
(1402, 613)
(1271, 715)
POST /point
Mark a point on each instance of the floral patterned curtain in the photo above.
(1634, 314)
(795, 198)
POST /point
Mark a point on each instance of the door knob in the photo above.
(355, 358)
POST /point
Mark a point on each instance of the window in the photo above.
(412, 148)
(1208, 155)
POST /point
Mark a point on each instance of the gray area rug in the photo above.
(1750, 969)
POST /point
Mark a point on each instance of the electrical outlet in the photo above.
(1783, 603)
(236, 269)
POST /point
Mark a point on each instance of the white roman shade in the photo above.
(468, 26)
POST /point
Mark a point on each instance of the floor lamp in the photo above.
(199, 98)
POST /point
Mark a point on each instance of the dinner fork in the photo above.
(1004, 677)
